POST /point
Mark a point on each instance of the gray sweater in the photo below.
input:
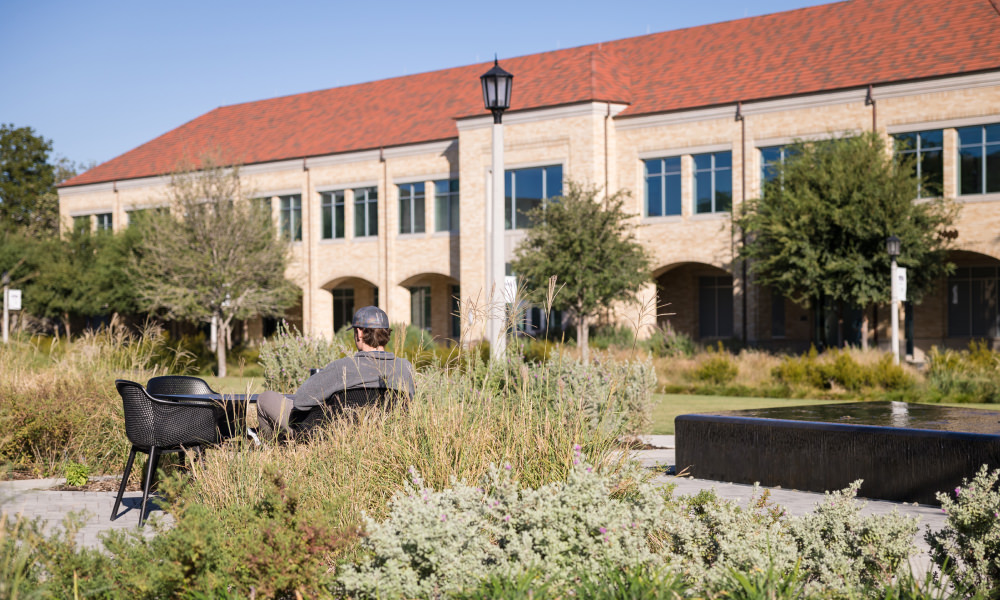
(374, 369)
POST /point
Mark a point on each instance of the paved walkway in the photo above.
(34, 499)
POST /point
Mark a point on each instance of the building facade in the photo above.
(382, 187)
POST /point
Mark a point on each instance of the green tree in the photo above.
(214, 256)
(82, 274)
(819, 230)
(588, 243)
(27, 197)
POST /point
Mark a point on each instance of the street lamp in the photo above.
(892, 246)
(496, 96)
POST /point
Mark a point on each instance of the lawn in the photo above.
(668, 406)
(235, 384)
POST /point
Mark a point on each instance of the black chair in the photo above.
(230, 419)
(341, 403)
(178, 384)
(155, 426)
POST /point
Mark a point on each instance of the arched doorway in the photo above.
(350, 294)
(961, 308)
(695, 299)
(434, 304)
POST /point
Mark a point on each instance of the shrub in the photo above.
(718, 369)
(605, 336)
(968, 547)
(842, 550)
(441, 542)
(665, 341)
(838, 369)
(972, 375)
(77, 474)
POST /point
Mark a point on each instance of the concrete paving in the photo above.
(35, 498)
(31, 499)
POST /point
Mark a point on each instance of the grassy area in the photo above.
(668, 406)
(235, 384)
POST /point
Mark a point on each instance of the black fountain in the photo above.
(903, 452)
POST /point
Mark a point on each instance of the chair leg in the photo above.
(121, 488)
(154, 459)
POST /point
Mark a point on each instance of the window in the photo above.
(979, 159)
(332, 207)
(135, 217)
(446, 205)
(290, 219)
(663, 186)
(103, 222)
(972, 303)
(456, 316)
(420, 307)
(366, 212)
(81, 224)
(777, 314)
(411, 208)
(525, 189)
(771, 158)
(343, 307)
(713, 182)
(715, 307)
(927, 147)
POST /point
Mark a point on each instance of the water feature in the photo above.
(903, 452)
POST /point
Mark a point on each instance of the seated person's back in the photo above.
(370, 367)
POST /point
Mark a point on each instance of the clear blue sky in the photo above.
(100, 77)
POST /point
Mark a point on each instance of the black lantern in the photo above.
(892, 246)
(496, 90)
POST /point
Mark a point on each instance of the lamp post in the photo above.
(496, 96)
(892, 246)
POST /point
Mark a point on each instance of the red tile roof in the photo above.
(835, 46)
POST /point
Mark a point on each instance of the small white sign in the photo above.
(13, 299)
(509, 288)
(900, 284)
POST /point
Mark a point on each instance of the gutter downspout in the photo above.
(607, 122)
(743, 203)
(870, 101)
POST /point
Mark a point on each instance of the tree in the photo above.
(820, 228)
(79, 275)
(589, 245)
(27, 197)
(214, 256)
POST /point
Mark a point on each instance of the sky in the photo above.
(99, 77)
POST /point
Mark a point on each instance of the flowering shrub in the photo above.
(842, 550)
(968, 547)
(437, 543)
(288, 356)
(440, 542)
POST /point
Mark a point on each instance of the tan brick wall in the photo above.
(592, 148)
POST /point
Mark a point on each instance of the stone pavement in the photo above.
(34, 499)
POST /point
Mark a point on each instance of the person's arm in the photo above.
(330, 380)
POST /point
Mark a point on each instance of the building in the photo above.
(382, 186)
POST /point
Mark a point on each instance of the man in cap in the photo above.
(370, 367)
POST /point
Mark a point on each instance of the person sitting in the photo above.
(371, 368)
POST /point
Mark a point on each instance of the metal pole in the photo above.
(6, 314)
(895, 314)
(496, 271)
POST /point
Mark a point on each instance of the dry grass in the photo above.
(450, 431)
